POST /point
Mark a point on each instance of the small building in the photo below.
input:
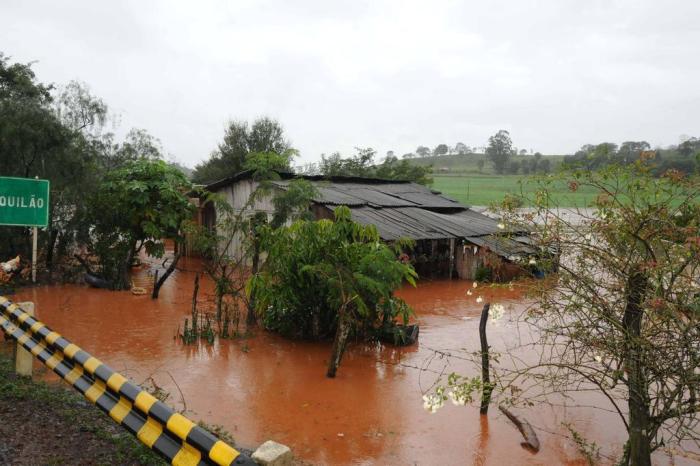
(451, 240)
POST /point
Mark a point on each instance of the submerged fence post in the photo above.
(23, 358)
(485, 378)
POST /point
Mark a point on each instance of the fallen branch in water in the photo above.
(524, 427)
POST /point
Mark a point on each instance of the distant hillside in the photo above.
(469, 163)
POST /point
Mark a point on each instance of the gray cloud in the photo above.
(386, 74)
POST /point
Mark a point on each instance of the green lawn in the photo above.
(483, 190)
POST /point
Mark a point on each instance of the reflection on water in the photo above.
(265, 387)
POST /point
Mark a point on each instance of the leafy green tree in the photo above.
(689, 147)
(499, 150)
(394, 169)
(38, 140)
(629, 151)
(229, 269)
(423, 151)
(441, 149)
(137, 207)
(265, 135)
(329, 277)
(362, 164)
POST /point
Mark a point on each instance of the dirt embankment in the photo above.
(42, 423)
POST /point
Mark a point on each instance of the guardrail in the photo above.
(156, 425)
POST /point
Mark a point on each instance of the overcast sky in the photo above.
(386, 74)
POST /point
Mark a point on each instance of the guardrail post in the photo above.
(23, 358)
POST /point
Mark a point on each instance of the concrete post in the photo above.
(23, 358)
(273, 454)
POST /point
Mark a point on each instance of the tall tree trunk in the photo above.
(250, 318)
(160, 281)
(339, 342)
(194, 303)
(485, 370)
(638, 452)
(123, 282)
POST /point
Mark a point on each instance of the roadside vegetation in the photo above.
(625, 302)
(109, 199)
(78, 433)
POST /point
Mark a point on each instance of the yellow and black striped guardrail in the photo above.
(155, 424)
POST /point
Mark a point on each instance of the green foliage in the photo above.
(293, 203)
(314, 269)
(362, 164)
(625, 299)
(137, 206)
(483, 274)
(500, 150)
(264, 136)
(597, 156)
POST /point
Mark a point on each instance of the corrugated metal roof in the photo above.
(417, 223)
(378, 194)
(505, 246)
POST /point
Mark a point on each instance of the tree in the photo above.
(441, 149)
(499, 150)
(394, 169)
(230, 269)
(461, 148)
(362, 164)
(689, 147)
(629, 151)
(265, 135)
(324, 277)
(625, 303)
(423, 151)
(480, 165)
(138, 206)
(49, 138)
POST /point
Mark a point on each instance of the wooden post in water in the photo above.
(485, 378)
(23, 358)
(452, 257)
(194, 303)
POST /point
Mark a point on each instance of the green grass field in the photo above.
(484, 190)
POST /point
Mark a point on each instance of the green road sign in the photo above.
(24, 202)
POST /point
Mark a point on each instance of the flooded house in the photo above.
(451, 240)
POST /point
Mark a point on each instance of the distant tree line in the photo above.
(684, 157)
(363, 164)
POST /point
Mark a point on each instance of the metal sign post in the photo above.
(25, 202)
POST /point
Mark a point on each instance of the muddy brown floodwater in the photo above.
(266, 387)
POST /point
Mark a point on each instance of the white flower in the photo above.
(432, 402)
(598, 358)
(532, 261)
(459, 397)
(501, 226)
(475, 284)
(479, 299)
(496, 311)
(469, 292)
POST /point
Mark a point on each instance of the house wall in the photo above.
(237, 196)
(466, 261)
